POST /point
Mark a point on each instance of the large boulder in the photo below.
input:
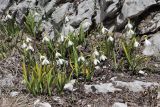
(3, 5)
(150, 24)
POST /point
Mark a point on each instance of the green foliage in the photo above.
(61, 80)
(9, 28)
(38, 79)
(32, 27)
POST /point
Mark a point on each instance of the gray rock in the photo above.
(135, 7)
(58, 99)
(117, 104)
(102, 88)
(112, 9)
(59, 14)
(21, 9)
(85, 11)
(43, 2)
(14, 93)
(7, 81)
(50, 7)
(158, 97)
(37, 103)
(3, 5)
(135, 86)
(69, 85)
(150, 24)
(154, 49)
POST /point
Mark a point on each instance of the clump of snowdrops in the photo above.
(50, 63)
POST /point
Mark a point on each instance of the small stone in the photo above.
(14, 93)
(158, 97)
(69, 86)
(37, 103)
(117, 104)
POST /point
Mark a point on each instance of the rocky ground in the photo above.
(107, 88)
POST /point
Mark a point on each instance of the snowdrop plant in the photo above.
(134, 60)
(9, 27)
(147, 42)
(61, 80)
(32, 27)
(38, 78)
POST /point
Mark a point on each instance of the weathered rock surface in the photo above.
(150, 24)
(135, 86)
(117, 104)
(87, 13)
(154, 49)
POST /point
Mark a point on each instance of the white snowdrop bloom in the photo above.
(130, 33)
(28, 39)
(8, 17)
(96, 61)
(45, 39)
(136, 44)
(70, 43)
(60, 61)
(66, 19)
(142, 72)
(129, 26)
(81, 58)
(97, 67)
(36, 14)
(111, 39)
(104, 30)
(45, 62)
(29, 47)
(42, 57)
(95, 53)
(147, 42)
(24, 45)
(57, 55)
(61, 38)
(103, 57)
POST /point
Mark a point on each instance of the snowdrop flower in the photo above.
(66, 19)
(70, 43)
(129, 25)
(57, 55)
(28, 39)
(104, 30)
(147, 42)
(97, 67)
(36, 14)
(8, 17)
(103, 57)
(142, 72)
(60, 61)
(61, 38)
(29, 47)
(81, 58)
(42, 57)
(111, 39)
(136, 44)
(24, 45)
(130, 33)
(45, 62)
(45, 39)
(96, 61)
(95, 53)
